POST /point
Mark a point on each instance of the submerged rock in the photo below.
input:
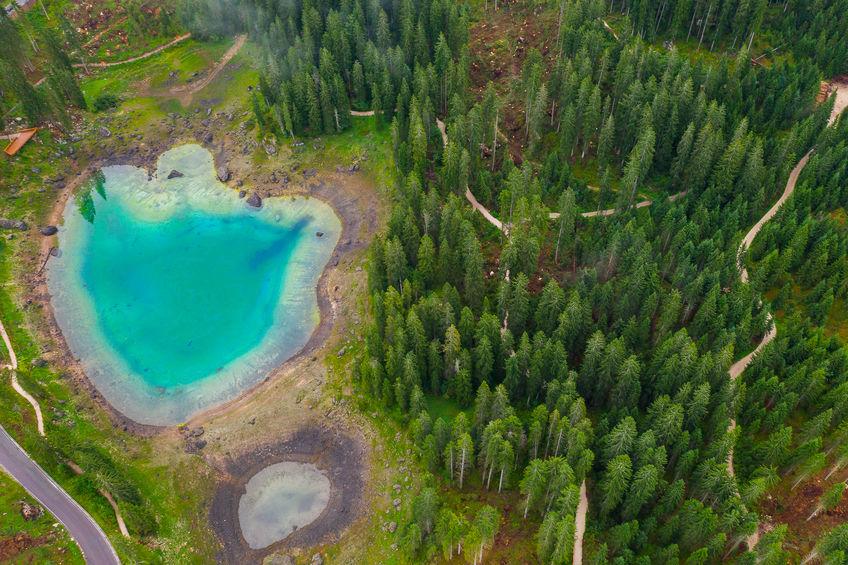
(223, 173)
(175, 174)
(13, 224)
(49, 230)
(319, 233)
(254, 200)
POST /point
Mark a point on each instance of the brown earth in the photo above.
(13, 546)
(793, 507)
(499, 42)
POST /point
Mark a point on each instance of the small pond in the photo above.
(279, 499)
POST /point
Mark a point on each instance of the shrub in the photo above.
(104, 102)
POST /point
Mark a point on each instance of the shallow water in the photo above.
(279, 499)
(176, 295)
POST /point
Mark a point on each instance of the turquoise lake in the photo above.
(175, 295)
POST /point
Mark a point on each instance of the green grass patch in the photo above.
(366, 140)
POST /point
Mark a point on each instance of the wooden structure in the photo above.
(20, 140)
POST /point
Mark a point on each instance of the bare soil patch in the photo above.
(499, 42)
(11, 547)
(793, 507)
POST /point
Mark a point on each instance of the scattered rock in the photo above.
(49, 230)
(194, 445)
(13, 224)
(223, 173)
(254, 200)
(270, 149)
(175, 174)
(30, 511)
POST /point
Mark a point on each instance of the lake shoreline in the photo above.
(357, 228)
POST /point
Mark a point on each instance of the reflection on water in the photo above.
(279, 499)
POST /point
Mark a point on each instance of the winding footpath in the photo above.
(93, 543)
(738, 367)
(103, 65)
(13, 367)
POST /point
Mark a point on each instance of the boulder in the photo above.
(12, 224)
(309, 173)
(49, 230)
(254, 200)
(30, 511)
(223, 173)
(175, 174)
(104, 132)
(242, 193)
(317, 559)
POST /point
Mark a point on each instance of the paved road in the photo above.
(84, 530)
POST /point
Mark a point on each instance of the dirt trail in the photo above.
(186, 91)
(737, 368)
(13, 367)
(485, 211)
(122, 526)
(103, 65)
(580, 525)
